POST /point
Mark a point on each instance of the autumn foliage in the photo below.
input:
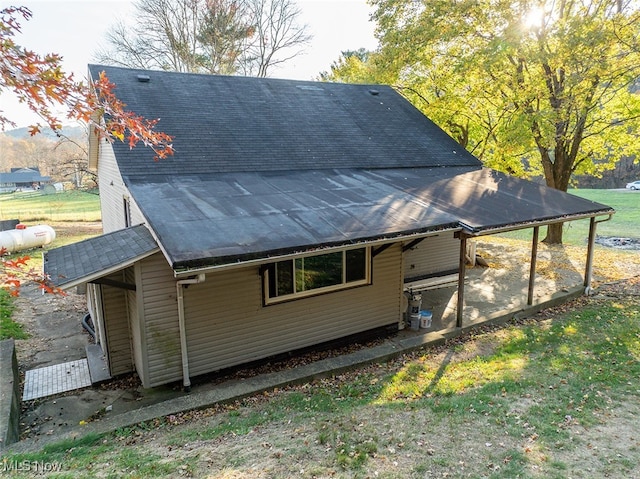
(17, 271)
(42, 85)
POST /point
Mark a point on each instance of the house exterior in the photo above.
(292, 213)
(22, 178)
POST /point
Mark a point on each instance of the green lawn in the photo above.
(551, 397)
(64, 206)
(624, 223)
(65, 211)
(8, 327)
(627, 205)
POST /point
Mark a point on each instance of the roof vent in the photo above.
(374, 92)
(310, 87)
(143, 78)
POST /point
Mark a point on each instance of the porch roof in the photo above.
(93, 258)
(221, 219)
(229, 219)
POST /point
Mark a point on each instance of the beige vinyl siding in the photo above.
(112, 193)
(138, 345)
(228, 325)
(117, 327)
(432, 255)
(161, 335)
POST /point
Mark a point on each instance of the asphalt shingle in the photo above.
(225, 124)
(84, 260)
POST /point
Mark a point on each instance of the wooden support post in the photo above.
(588, 273)
(532, 269)
(462, 272)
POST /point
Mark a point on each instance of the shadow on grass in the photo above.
(542, 381)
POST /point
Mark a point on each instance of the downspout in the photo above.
(186, 382)
(588, 273)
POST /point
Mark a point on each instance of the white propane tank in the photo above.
(25, 237)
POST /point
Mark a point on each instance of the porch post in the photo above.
(461, 275)
(534, 258)
(589, 267)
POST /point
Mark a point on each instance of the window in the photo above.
(315, 274)
(127, 212)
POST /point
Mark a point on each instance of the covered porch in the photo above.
(517, 277)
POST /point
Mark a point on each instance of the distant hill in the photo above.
(69, 131)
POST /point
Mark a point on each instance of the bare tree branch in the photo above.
(207, 36)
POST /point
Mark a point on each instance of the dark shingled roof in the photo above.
(266, 167)
(95, 257)
(23, 175)
(239, 124)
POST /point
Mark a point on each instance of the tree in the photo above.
(277, 38)
(64, 159)
(223, 32)
(164, 36)
(72, 163)
(353, 66)
(40, 83)
(207, 36)
(531, 88)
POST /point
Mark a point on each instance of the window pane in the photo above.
(318, 271)
(356, 264)
(284, 277)
(272, 283)
(300, 283)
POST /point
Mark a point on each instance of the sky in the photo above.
(75, 29)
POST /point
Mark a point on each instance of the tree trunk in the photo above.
(557, 164)
(554, 234)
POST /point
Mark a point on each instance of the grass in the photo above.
(65, 212)
(8, 327)
(528, 400)
(64, 206)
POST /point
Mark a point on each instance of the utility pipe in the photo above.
(186, 382)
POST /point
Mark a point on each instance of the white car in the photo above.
(634, 185)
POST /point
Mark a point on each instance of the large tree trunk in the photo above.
(557, 165)
(554, 234)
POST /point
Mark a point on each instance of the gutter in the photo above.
(471, 231)
(329, 249)
(186, 382)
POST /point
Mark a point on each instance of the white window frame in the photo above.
(317, 291)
